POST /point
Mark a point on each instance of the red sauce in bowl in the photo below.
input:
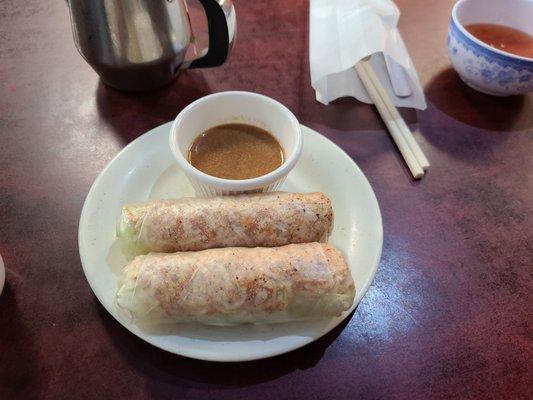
(503, 38)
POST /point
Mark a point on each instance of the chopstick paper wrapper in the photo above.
(344, 32)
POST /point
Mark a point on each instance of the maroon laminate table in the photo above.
(449, 313)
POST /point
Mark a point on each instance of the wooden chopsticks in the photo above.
(402, 136)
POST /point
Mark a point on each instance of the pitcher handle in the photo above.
(221, 26)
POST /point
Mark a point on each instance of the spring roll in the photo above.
(238, 285)
(255, 220)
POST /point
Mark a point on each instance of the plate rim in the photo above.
(231, 358)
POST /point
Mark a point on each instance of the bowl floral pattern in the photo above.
(486, 70)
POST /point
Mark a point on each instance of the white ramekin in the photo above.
(243, 107)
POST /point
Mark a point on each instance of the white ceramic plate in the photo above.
(145, 169)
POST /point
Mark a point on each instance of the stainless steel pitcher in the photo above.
(139, 45)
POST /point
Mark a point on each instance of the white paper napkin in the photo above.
(342, 32)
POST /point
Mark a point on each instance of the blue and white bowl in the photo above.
(480, 66)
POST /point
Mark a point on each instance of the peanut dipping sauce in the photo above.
(503, 38)
(236, 151)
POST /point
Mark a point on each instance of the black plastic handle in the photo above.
(219, 41)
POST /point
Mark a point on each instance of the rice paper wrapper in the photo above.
(235, 285)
